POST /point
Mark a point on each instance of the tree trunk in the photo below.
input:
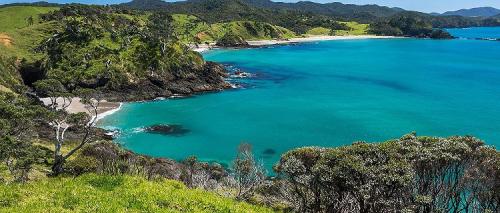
(57, 168)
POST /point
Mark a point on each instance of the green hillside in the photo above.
(102, 193)
(13, 18)
(355, 28)
(17, 37)
(190, 27)
(121, 51)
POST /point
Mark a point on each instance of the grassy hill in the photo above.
(17, 37)
(355, 29)
(189, 27)
(98, 47)
(12, 18)
(102, 193)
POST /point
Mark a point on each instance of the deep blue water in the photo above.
(329, 94)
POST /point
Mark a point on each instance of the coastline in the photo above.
(108, 108)
(109, 111)
(105, 108)
(260, 43)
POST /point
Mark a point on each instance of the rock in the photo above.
(241, 74)
(164, 129)
(110, 134)
(269, 152)
(209, 77)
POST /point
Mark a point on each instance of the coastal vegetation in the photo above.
(192, 30)
(408, 25)
(117, 53)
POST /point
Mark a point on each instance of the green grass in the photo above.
(356, 29)
(249, 30)
(13, 18)
(23, 38)
(101, 193)
(319, 31)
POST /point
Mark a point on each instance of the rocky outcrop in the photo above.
(164, 129)
(210, 77)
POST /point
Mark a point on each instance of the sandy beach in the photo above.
(257, 43)
(314, 38)
(105, 108)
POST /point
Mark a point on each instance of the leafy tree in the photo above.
(411, 25)
(419, 174)
(18, 117)
(230, 39)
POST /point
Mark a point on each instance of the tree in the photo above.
(248, 173)
(61, 120)
(417, 174)
(230, 39)
(29, 20)
(18, 117)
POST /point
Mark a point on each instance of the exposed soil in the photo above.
(5, 40)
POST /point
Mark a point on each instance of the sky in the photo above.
(417, 5)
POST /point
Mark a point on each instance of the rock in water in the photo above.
(167, 129)
(269, 152)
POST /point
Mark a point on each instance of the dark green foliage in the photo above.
(410, 25)
(18, 116)
(10, 79)
(300, 16)
(410, 174)
(216, 11)
(104, 47)
(385, 29)
(440, 34)
(231, 40)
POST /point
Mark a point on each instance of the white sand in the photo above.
(314, 38)
(105, 108)
(257, 43)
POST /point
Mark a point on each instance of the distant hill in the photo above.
(263, 7)
(336, 9)
(474, 12)
(217, 11)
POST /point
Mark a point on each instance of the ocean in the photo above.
(329, 94)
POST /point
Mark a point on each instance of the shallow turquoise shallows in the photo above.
(329, 93)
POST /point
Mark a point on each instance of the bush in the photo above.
(231, 40)
(420, 174)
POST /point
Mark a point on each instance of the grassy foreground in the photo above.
(102, 193)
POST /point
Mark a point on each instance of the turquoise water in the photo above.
(472, 33)
(328, 93)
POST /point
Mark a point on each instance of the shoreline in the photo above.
(260, 43)
(108, 112)
(105, 108)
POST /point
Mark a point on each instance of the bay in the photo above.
(328, 93)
